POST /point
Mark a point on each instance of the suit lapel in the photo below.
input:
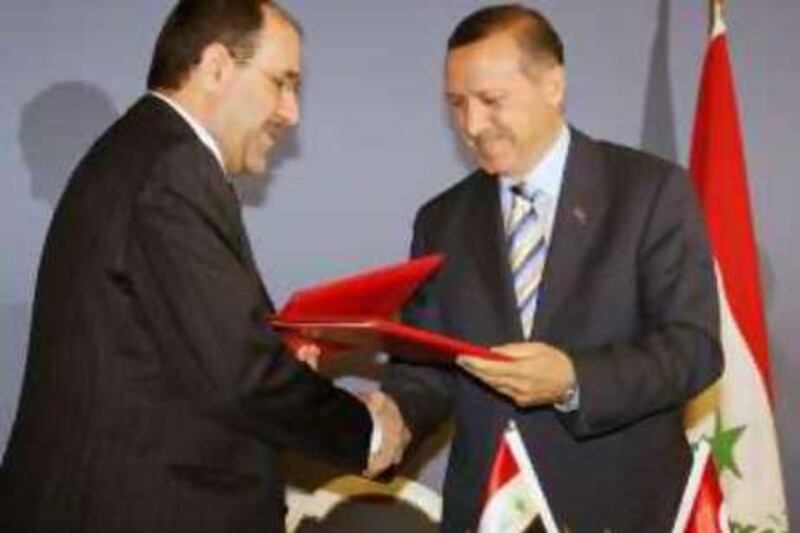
(581, 208)
(226, 202)
(214, 191)
(233, 210)
(488, 237)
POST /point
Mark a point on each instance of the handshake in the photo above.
(531, 374)
(390, 435)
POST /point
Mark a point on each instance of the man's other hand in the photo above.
(394, 435)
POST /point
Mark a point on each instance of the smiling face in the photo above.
(507, 107)
(260, 99)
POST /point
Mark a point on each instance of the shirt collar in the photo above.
(202, 133)
(548, 174)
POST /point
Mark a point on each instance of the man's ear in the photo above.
(554, 84)
(215, 67)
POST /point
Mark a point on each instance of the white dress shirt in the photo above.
(202, 133)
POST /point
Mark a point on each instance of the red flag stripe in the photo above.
(707, 504)
(718, 169)
(504, 468)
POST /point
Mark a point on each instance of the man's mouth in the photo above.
(487, 146)
(270, 134)
(273, 131)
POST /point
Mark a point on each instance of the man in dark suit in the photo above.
(584, 262)
(155, 397)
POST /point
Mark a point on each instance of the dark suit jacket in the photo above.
(628, 292)
(155, 398)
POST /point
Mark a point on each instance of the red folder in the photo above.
(356, 313)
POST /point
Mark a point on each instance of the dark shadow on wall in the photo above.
(56, 129)
(658, 128)
(14, 321)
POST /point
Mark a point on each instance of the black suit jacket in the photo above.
(155, 397)
(628, 292)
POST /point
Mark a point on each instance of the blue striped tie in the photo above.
(526, 247)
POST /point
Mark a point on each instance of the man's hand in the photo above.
(395, 436)
(304, 350)
(537, 374)
(309, 354)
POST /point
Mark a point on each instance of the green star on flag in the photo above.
(723, 442)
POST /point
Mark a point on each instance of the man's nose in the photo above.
(475, 119)
(289, 108)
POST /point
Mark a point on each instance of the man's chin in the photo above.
(257, 167)
(493, 166)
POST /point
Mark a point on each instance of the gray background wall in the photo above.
(374, 140)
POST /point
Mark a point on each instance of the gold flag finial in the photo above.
(716, 24)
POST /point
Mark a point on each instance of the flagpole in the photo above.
(716, 23)
(712, 9)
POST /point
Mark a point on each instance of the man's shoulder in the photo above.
(621, 157)
(154, 138)
(146, 131)
(145, 150)
(619, 171)
(620, 154)
(459, 194)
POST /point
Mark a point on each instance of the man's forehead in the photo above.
(279, 45)
(481, 70)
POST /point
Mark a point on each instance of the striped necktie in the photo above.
(526, 247)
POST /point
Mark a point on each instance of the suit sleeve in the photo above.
(206, 309)
(423, 392)
(678, 353)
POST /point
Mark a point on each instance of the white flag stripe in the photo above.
(500, 516)
(744, 402)
(723, 519)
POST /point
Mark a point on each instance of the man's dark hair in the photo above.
(531, 29)
(194, 24)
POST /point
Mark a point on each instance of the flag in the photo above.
(702, 508)
(735, 417)
(514, 498)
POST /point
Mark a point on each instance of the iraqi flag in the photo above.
(514, 500)
(735, 417)
(702, 508)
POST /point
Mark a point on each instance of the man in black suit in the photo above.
(155, 398)
(583, 261)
